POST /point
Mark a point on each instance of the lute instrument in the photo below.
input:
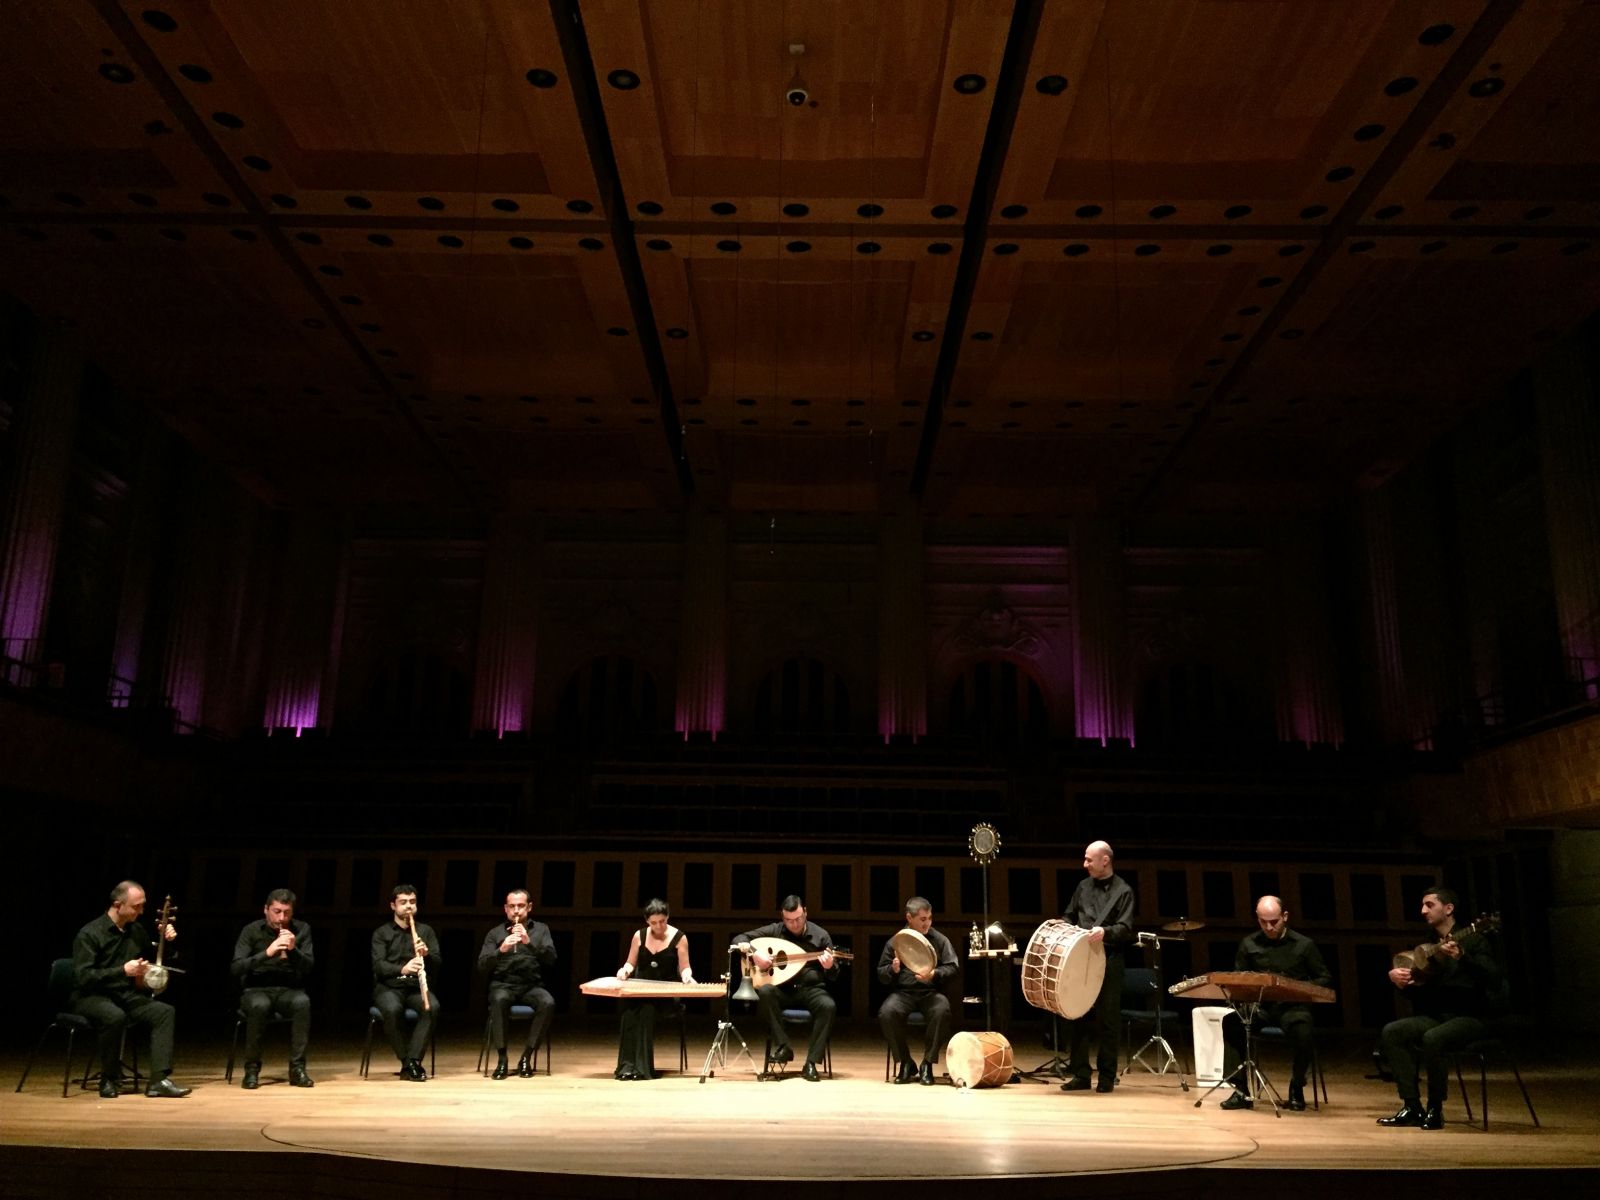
(156, 975)
(1424, 959)
(788, 960)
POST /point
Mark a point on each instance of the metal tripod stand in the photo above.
(717, 1055)
(1157, 1042)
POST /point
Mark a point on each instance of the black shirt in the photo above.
(1107, 903)
(98, 953)
(907, 981)
(392, 949)
(1469, 986)
(253, 969)
(1293, 955)
(522, 965)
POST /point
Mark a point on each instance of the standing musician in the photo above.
(917, 991)
(806, 990)
(110, 958)
(1102, 904)
(271, 960)
(1282, 951)
(659, 952)
(1450, 1003)
(402, 949)
(513, 955)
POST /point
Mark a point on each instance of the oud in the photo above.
(1424, 959)
(788, 960)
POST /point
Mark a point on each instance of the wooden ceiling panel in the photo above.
(1186, 110)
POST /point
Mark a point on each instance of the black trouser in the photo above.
(1105, 1019)
(1430, 1039)
(812, 997)
(391, 1006)
(259, 1004)
(112, 1017)
(502, 996)
(898, 1006)
(1293, 1019)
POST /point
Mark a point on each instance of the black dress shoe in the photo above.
(1075, 1085)
(1409, 1114)
(413, 1072)
(809, 1074)
(926, 1074)
(1297, 1097)
(166, 1088)
(1236, 1101)
(525, 1065)
(625, 1074)
(907, 1072)
(783, 1053)
(252, 1077)
(298, 1076)
(109, 1089)
(1433, 1118)
(500, 1069)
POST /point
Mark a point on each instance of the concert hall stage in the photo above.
(582, 1134)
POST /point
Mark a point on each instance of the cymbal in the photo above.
(1183, 926)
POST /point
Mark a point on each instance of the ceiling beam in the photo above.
(1008, 87)
(568, 18)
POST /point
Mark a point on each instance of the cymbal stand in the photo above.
(717, 1054)
(1157, 1042)
(1247, 1077)
(1054, 1067)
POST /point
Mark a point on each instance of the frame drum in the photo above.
(978, 1060)
(916, 953)
(1062, 970)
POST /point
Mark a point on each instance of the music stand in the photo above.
(717, 1054)
(1152, 942)
(1248, 1073)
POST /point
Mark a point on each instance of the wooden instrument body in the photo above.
(1422, 961)
(1062, 969)
(788, 959)
(979, 1060)
(610, 985)
(1252, 987)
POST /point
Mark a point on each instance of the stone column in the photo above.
(1097, 594)
(502, 694)
(32, 529)
(703, 627)
(902, 629)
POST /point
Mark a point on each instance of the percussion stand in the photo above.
(717, 1055)
(1247, 1077)
(1054, 1067)
(1169, 1060)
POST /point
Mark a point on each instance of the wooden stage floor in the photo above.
(580, 1133)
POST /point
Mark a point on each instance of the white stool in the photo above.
(1208, 1045)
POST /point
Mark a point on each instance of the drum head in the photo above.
(916, 952)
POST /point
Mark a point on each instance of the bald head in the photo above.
(1272, 918)
(1097, 860)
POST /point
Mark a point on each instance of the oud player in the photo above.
(807, 990)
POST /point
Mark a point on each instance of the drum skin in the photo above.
(1062, 969)
(978, 1060)
(916, 953)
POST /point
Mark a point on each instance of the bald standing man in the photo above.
(1102, 904)
(1276, 948)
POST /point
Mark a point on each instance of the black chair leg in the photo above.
(233, 1050)
(1517, 1075)
(37, 1046)
(1462, 1084)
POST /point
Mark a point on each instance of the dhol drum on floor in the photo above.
(1062, 969)
(979, 1060)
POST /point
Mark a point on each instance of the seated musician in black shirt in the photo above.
(1277, 949)
(400, 958)
(1451, 999)
(271, 960)
(806, 990)
(514, 955)
(917, 992)
(110, 958)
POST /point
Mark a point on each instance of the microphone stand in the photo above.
(717, 1055)
(1152, 942)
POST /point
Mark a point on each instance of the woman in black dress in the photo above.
(659, 952)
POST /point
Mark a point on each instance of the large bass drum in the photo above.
(1062, 969)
